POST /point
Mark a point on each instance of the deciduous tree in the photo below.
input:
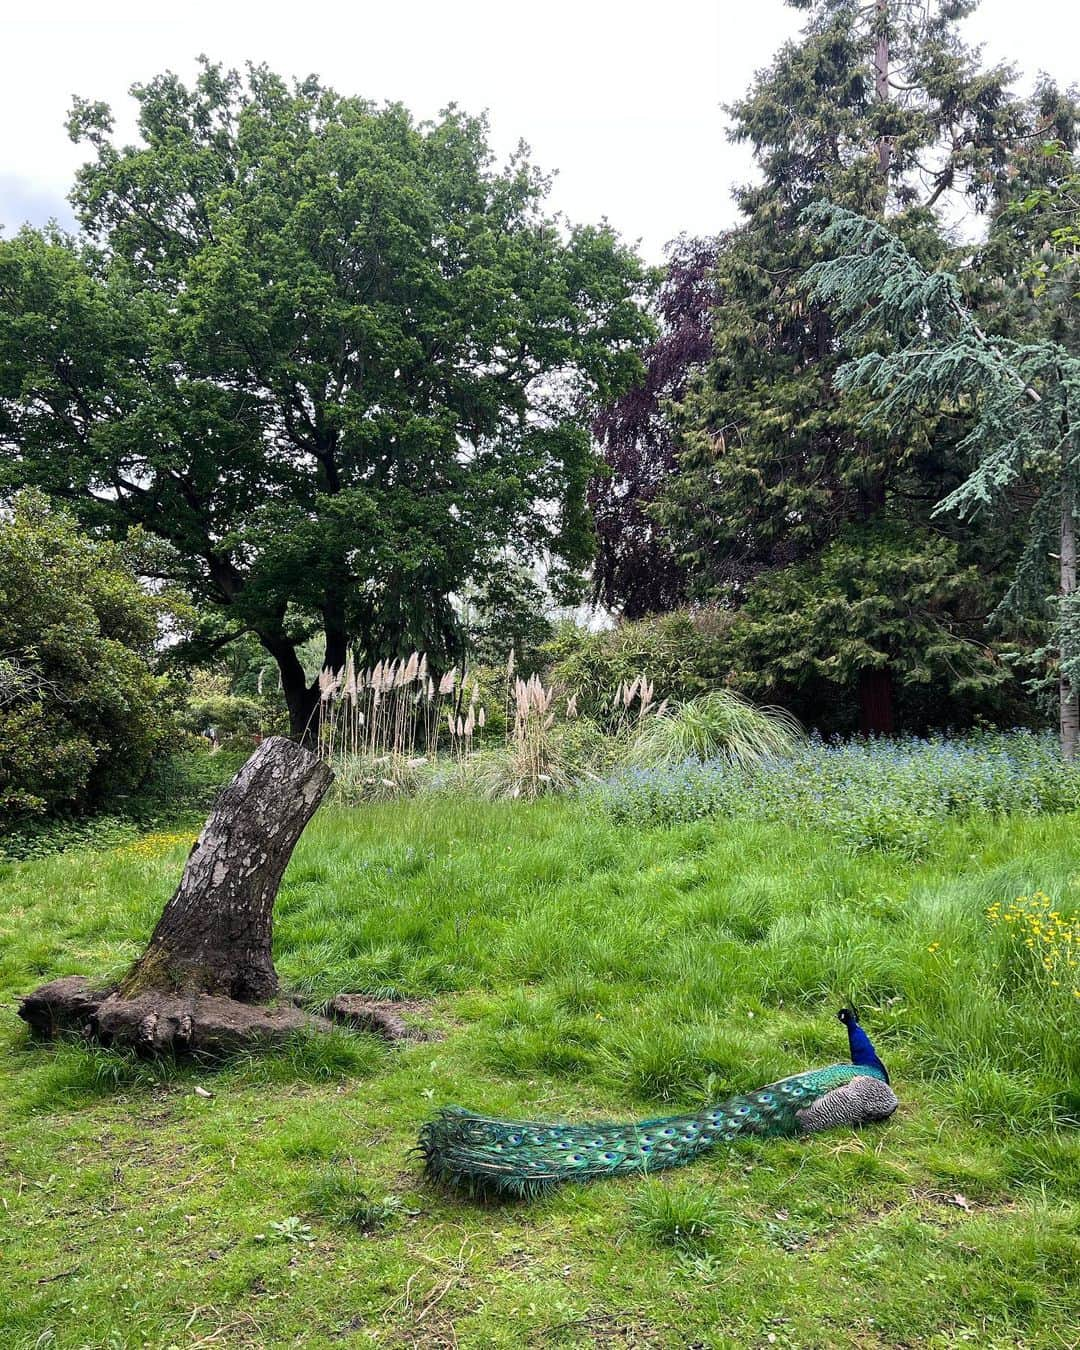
(335, 358)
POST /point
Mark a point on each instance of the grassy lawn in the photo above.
(574, 968)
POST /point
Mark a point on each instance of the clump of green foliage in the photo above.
(338, 1194)
(675, 1214)
(684, 653)
(716, 725)
(211, 703)
(82, 714)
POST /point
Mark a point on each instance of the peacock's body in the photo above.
(524, 1157)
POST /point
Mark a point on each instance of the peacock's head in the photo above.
(860, 1046)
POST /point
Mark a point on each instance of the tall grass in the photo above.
(397, 729)
(396, 709)
(717, 725)
(380, 726)
(578, 969)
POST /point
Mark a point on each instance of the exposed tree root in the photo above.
(163, 1023)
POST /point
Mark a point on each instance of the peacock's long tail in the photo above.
(523, 1157)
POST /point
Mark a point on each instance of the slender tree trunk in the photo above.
(876, 715)
(301, 698)
(213, 936)
(876, 702)
(1070, 703)
(881, 88)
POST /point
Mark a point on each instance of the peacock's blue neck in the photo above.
(861, 1048)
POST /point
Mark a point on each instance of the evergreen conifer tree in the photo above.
(1023, 400)
(883, 108)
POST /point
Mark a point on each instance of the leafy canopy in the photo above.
(337, 359)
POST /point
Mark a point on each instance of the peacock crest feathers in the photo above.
(521, 1158)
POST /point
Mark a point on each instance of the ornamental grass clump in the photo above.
(532, 763)
(716, 726)
(382, 727)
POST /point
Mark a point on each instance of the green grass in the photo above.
(577, 968)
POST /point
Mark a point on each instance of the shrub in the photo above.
(81, 713)
(209, 703)
(683, 653)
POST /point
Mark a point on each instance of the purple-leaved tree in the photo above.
(637, 571)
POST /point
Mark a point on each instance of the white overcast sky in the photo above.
(623, 98)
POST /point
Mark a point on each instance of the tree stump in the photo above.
(207, 979)
(213, 936)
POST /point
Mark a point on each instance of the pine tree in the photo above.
(884, 109)
(1023, 398)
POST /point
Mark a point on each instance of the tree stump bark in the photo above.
(206, 981)
(213, 936)
(207, 975)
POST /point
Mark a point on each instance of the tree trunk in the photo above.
(1070, 703)
(301, 699)
(204, 981)
(303, 708)
(881, 87)
(205, 978)
(213, 936)
(876, 702)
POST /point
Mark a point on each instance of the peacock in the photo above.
(522, 1158)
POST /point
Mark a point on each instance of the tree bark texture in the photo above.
(1070, 697)
(213, 936)
(881, 85)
